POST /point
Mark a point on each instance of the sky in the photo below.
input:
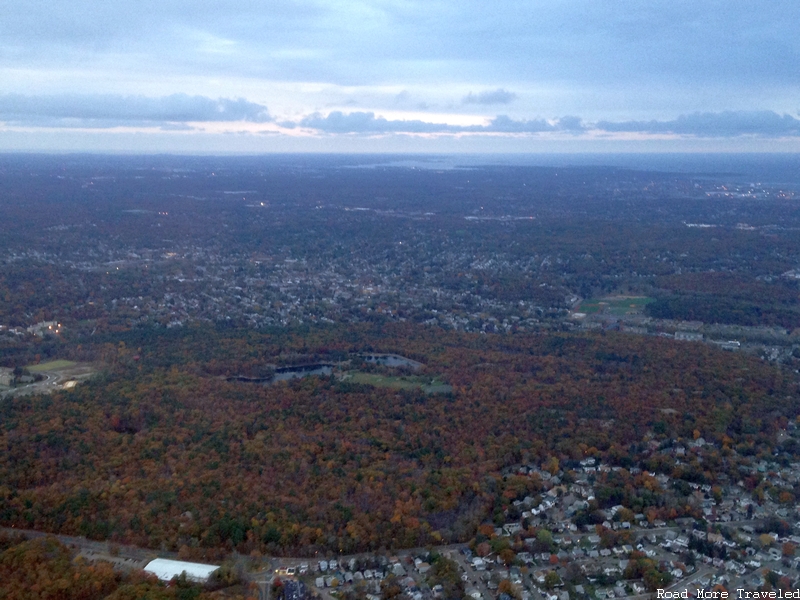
(446, 76)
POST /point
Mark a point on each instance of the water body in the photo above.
(249, 379)
(770, 168)
(287, 373)
(392, 360)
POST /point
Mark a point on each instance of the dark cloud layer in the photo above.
(700, 125)
(176, 111)
(110, 110)
(721, 124)
(619, 43)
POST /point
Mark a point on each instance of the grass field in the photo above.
(615, 305)
(427, 384)
(53, 365)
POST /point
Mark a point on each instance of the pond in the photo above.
(392, 360)
(286, 373)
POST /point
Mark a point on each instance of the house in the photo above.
(512, 528)
(525, 557)
(294, 590)
(44, 327)
(689, 336)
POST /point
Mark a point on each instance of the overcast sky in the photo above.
(400, 75)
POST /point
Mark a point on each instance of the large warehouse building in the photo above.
(166, 569)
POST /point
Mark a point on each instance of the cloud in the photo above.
(571, 123)
(699, 125)
(498, 96)
(96, 110)
(504, 124)
(592, 55)
(367, 122)
(720, 124)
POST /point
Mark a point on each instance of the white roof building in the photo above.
(166, 569)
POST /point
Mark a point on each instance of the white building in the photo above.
(166, 569)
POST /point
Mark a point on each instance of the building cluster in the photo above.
(563, 543)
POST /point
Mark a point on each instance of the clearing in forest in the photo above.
(53, 365)
(430, 385)
(615, 305)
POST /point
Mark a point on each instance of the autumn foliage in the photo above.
(165, 451)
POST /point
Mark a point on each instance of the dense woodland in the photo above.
(161, 451)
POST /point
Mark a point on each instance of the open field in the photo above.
(57, 375)
(615, 305)
(53, 365)
(427, 384)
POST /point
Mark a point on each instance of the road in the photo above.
(53, 380)
(128, 557)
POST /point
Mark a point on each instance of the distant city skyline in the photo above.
(387, 76)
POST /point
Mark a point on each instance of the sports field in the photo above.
(615, 305)
(427, 384)
(53, 365)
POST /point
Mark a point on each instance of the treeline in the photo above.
(723, 309)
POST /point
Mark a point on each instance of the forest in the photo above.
(161, 451)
